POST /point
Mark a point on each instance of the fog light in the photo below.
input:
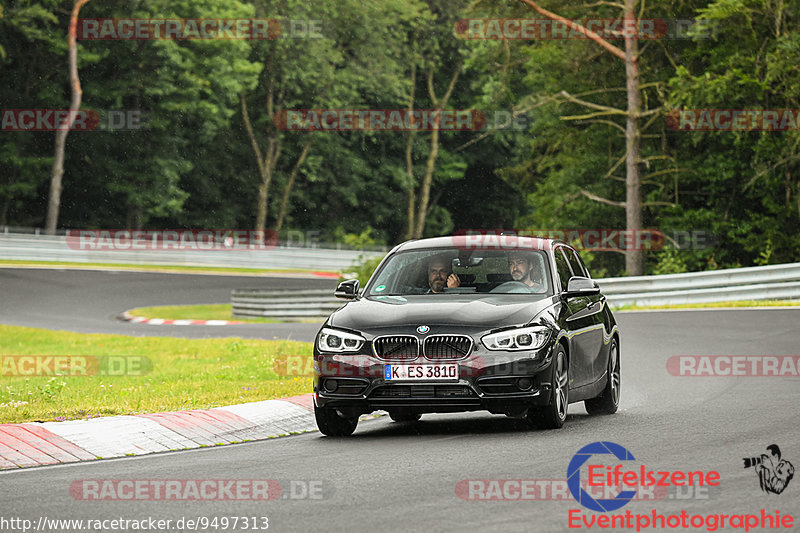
(331, 385)
(524, 383)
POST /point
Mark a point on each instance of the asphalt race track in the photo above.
(91, 301)
(398, 477)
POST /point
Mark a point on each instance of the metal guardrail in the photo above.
(752, 283)
(774, 282)
(284, 304)
(31, 247)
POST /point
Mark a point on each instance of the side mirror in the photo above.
(580, 286)
(347, 289)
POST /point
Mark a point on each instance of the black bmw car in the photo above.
(512, 325)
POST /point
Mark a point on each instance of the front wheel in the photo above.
(555, 413)
(331, 424)
(608, 401)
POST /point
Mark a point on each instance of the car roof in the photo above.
(486, 240)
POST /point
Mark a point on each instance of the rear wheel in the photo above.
(608, 402)
(402, 415)
(553, 415)
(330, 423)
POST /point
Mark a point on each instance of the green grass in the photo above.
(185, 374)
(742, 303)
(154, 268)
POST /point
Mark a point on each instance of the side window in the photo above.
(576, 263)
(562, 266)
(583, 265)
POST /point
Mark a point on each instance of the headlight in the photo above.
(530, 338)
(332, 340)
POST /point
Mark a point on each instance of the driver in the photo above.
(521, 267)
(440, 275)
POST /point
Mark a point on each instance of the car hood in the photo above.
(488, 312)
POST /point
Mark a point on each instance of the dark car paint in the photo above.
(584, 324)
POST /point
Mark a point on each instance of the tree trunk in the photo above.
(633, 186)
(261, 212)
(54, 202)
(287, 190)
(427, 180)
(430, 165)
(411, 183)
(412, 195)
(266, 163)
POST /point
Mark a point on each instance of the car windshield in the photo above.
(454, 271)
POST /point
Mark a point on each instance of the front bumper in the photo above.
(498, 382)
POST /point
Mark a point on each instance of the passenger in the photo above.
(440, 275)
(522, 269)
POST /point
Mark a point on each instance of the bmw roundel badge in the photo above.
(422, 330)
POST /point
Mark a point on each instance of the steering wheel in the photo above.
(512, 287)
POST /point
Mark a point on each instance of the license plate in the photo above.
(447, 372)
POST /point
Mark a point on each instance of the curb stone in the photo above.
(46, 443)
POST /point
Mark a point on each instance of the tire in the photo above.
(555, 413)
(401, 415)
(608, 401)
(331, 424)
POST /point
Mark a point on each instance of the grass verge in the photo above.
(177, 374)
(711, 305)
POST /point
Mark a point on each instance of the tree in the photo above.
(633, 195)
(30, 49)
(61, 135)
(345, 66)
(745, 185)
(432, 50)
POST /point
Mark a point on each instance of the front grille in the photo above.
(423, 391)
(447, 346)
(399, 347)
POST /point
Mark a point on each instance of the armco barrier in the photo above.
(284, 304)
(774, 282)
(28, 247)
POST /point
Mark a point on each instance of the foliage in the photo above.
(192, 163)
(362, 269)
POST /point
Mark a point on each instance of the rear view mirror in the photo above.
(347, 289)
(471, 261)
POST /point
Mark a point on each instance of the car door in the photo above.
(577, 322)
(592, 337)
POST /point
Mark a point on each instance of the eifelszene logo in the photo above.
(774, 473)
(602, 475)
(574, 477)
